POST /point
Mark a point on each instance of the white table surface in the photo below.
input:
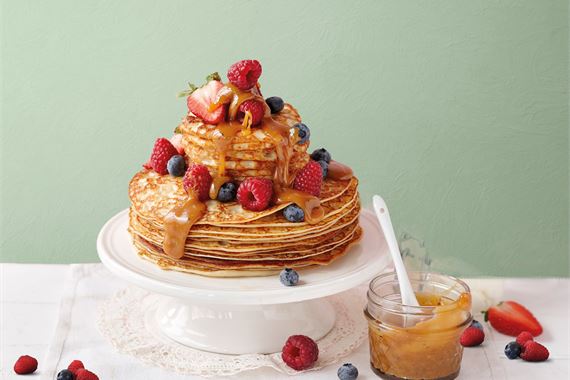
(30, 306)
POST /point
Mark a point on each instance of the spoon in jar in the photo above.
(406, 290)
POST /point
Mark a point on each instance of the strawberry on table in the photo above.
(200, 100)
(511, 318)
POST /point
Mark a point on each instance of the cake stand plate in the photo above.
(248, 314)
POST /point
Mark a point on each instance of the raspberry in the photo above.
(162, 151)
(244, 74)
(198, 178)
(524, 337)
(256, 108)
(25, 365)
(83, 374)
(255, 193)
(534, 352)
(300, 352)
(472, 336)
(309, 179)
(75, 365)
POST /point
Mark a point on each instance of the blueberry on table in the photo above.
(176, 166)
(303, 132)
(275, 104)
(65, 375)
(513, 350)
(294, 213)
(289, 277)
(227, 192)
(347, 372)
(321, 154)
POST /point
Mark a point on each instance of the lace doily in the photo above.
(122, 320)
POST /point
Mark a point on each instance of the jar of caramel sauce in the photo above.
(417, 342)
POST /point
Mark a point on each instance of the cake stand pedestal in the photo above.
(242, 315)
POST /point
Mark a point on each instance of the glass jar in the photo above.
(417, 342)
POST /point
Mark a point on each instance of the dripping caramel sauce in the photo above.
(177, 224)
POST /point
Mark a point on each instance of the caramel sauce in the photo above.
(310, 205)
(338, 171)
(233, 95)
(178, 222)
(285, 138)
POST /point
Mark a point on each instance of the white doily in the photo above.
(122, 321)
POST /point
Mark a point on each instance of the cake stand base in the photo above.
(241, 329)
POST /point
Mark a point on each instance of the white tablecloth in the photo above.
(35, 299)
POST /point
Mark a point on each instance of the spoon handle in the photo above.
(406, 290)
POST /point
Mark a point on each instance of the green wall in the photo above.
(455, 111)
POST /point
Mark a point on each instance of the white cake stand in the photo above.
(242, 315)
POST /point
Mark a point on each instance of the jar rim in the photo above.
(400, 308)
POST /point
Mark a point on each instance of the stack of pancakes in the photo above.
(230, 241)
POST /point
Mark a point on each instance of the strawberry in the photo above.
(255, 193)
(309, 179)
(534, 352)
(83, 374)
(200, 100)
(524, 337)
(244, 74)
(75, 366)
(25, 365)
(472, 336)
(162, 151)
(256, 108)
(198, 179)
(176, 141)
(511, 318)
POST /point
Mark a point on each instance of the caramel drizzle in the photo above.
(177, 224)
(339, 172)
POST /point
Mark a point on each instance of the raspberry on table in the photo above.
(300, 352)
(25, 365)
(83, 374)
(198, 179)
(309, 179)
(75, 365)
(255, 193)
(534, 352)
(472, 336)
(244, 74)
(162, 151)
(524, 337)
(256, 109)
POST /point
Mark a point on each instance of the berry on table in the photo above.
(65, 374)
(303, 132)
(294, 213)
(255, 193)
(477, 324)
(198, 178)
(83, 374)
(75, 365)
(162, 151)
(513, 350)
(25, 365)
(512, 318)
(244, 74)
(309, 179)
(534, 352)
(347, 372)
(256, 109)
(325, 167)
(289, 277)
(227, 192)
(471, 337)
(524, 337)
(200, 100)
(321, 154)
(176, 166)
(300, 352)
(275, 104)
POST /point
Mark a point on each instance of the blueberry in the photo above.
(65, 374)
(275, 104)
(513, 350)
(304, 132)
(294, 213)
(325, 167)
(176, 165)
(321, 154)
(227, 192)
(347, 372)
(289, 277)
(476, 324)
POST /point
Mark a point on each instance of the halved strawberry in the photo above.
(512, 318)
(199, 103)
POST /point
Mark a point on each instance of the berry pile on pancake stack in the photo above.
(235, 191)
